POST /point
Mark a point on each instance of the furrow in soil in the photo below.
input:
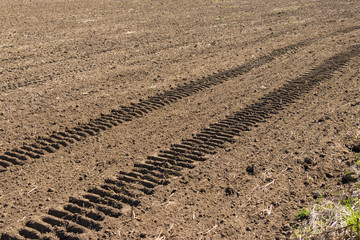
(83, 215)
(61, 139)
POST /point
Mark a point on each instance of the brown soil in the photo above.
(173, 119)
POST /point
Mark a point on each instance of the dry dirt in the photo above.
(207, 119)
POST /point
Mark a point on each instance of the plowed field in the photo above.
(168, 119)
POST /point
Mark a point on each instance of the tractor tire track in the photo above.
(62, 139)
(84, 215)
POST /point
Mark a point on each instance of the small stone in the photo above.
(329, 175)
(316, 195)
(306, 167)
(286, 228)
(308, 160)
(349, 178)
(250, 170)
(229, 191)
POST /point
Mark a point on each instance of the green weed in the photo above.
(330, 219)
(302, 214)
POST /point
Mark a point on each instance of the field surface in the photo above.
(162, 119)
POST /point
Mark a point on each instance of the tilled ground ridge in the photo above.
(85, 214)
(57, 140)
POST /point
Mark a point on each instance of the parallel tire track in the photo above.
(85, 214)
(57, 140)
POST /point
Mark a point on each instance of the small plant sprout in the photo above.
(302, 214)
(357, 160)
(358, 163)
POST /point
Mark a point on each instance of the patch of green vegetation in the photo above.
(302, 214)
(336, 217)
(331, 219)
(352, 215)
(319, 199)
(358, 163)
(350, 177)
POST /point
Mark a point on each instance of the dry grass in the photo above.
(337, 218)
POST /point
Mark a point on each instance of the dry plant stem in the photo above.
(262, 188)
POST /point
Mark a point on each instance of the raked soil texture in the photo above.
(162, 119)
